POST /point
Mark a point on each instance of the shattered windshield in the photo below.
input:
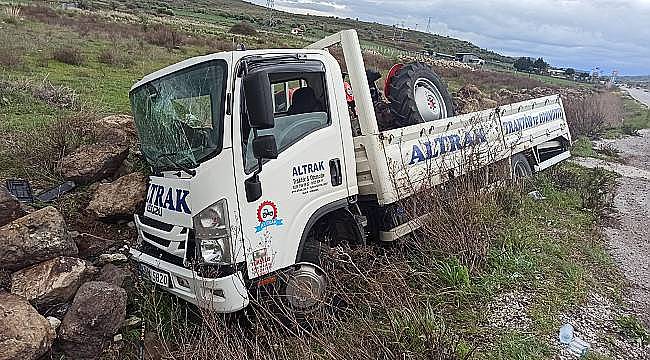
(179, 117)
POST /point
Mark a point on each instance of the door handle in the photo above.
(335, 172)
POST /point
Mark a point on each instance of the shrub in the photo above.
(114, 56)
(35, 154)
(591, 115)
(10, 57)
(68, 55)
(243, 28)
(165, 36)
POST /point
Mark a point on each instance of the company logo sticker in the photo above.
(159, 197)
(267, 215)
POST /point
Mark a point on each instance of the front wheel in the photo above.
(305, 287)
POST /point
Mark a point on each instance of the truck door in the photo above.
(310, 171)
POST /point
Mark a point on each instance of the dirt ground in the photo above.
(629, 238)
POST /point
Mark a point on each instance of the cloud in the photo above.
(612, 34)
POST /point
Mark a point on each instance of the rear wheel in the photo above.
(520, 167)
(418, 95)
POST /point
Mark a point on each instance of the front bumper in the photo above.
(223, 295)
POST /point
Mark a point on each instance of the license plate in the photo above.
(157, 277)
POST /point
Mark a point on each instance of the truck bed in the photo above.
(429, 153)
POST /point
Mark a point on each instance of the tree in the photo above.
(540, 65)
(570, 71)
(524, 64)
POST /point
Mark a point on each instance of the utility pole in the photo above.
(270, 4)
(428, 24)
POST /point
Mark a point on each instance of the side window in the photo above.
(300, 107)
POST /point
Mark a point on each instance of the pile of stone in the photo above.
(87, 303)
(470, 98)
(59, 289)
(439, 63)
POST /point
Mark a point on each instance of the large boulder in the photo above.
(24, 333)
(90, 163)
(113, 275)
(34, 238)
(10, 208)
(97, 313)
(90, 245)
(115, 129)
(119, 199)
(51, 282)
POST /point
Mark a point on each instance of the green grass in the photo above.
(633, 328)
(636, 116)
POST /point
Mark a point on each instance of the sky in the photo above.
(582, 34)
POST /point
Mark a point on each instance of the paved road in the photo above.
(639, 94)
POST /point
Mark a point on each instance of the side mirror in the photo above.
(259, 100)
(253, 188)
(264, 147)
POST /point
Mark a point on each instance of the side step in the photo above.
(552, 161)
(403, 229)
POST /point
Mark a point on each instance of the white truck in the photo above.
(257, 167)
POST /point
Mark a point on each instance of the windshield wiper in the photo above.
(187, 170)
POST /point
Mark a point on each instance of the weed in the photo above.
(609, 151)
(68, 55)
(634, 329)
(12, 14)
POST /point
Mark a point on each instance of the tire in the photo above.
(305, 288)
(520, 167)
(418, 95)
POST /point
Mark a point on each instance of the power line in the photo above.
(428, 24)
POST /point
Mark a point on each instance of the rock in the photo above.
(5, 279)
(34, 238)
(112, 275)
(91, 245)
(54, 323)
(10, 207)
(115, 129)
(90, 163)
(111, 258)
(97, 313)
(50, 282)
(24, 333)
(121, 198)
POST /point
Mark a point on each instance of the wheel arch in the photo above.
(329, 214)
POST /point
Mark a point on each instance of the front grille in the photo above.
(156, 224)
(158, 240)
(160, 254)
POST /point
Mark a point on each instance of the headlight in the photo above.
(212, 234)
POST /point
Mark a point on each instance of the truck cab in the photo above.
(202, 237)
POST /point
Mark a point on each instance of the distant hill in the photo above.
(372, 35)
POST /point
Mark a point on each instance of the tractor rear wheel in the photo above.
(418, 95)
